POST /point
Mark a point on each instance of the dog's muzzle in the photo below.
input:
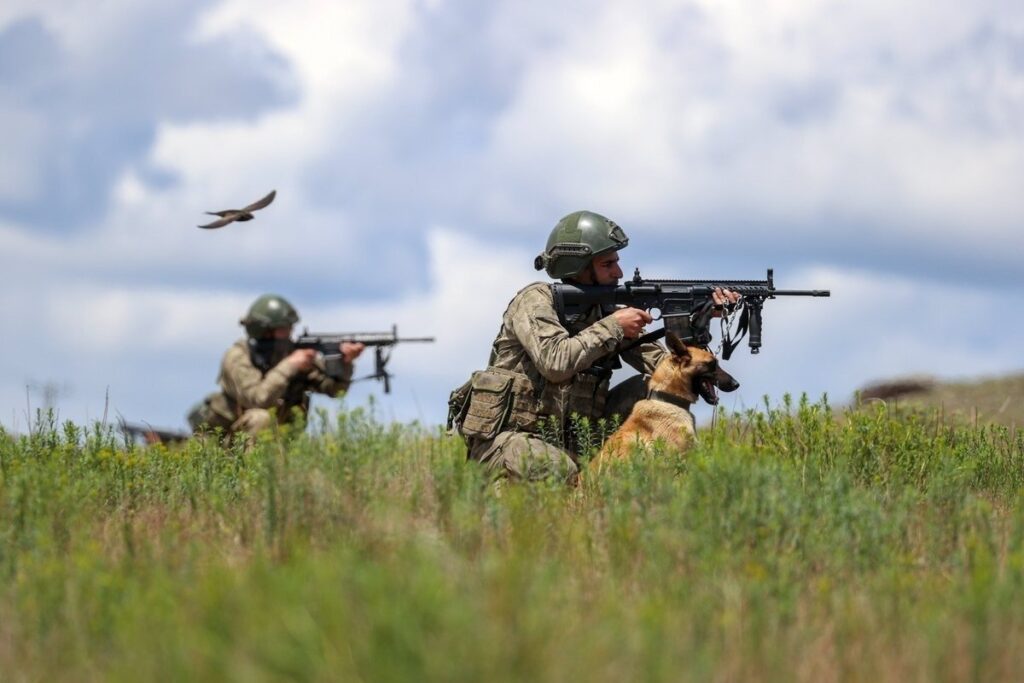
(707, 387)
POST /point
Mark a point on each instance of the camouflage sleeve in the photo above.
(332, 385)
(250, 388)
(557, 355)
(645, 357)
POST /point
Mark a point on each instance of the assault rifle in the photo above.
(686, 306)
(146, 434)
(327, 344)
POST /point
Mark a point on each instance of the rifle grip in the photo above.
(754, 329)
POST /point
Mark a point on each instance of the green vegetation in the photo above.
(789, 546)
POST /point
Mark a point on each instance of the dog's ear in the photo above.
(676, 346)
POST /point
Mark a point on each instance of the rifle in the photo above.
(146, 434)
(686, 306)
(327, 344)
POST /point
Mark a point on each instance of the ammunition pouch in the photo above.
(493, 401)
(490, 402)
(497, 400)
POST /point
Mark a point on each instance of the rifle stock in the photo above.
(147, 434)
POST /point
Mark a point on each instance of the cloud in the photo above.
(877, 146)
(422, 151)
(783, 134)
(84, 106)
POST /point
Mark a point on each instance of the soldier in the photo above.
(546, 370)
(264, 373)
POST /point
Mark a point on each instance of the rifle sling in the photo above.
(649, 337)
(729, 345)
(603, 368)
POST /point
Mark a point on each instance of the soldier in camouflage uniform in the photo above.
(516, 415)
(262, 377)
(546, 372)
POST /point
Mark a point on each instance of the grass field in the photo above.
(789, 545)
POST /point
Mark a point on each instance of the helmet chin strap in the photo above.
(591, 274)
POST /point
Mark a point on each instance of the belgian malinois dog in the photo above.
(685, 374)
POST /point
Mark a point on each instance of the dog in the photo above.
(684, 375)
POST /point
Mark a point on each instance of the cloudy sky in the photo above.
(423, 149)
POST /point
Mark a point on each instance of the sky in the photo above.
(422, 150)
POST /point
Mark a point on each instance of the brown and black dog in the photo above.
(685, 374)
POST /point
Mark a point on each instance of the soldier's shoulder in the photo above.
(534, 297)
(539, 292)
(237, 351)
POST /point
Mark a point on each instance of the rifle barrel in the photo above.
(368, 338)
(377, 341)
(801, 292)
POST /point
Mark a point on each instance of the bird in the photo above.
(232, 215)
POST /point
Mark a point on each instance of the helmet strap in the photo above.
(591, 272)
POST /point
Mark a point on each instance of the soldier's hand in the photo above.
(351, 350)
(632, 321)
(302, 359)
(722, 297)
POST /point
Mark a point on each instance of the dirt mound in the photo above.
(996, 400)
(897, 388)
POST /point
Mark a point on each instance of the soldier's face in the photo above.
(605, 269)
(281, 333)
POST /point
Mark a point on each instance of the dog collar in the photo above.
(656, 395)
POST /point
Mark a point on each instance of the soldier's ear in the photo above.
(676, 346)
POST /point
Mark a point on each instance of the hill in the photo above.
(994, 400)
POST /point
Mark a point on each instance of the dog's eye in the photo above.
(713, 365)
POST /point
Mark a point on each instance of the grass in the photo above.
(788, 546)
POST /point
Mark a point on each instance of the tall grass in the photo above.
(792, 544)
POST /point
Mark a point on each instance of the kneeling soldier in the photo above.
(263, 377)
(546, 370)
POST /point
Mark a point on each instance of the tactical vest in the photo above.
(521, 399)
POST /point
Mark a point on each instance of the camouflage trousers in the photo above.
(253, 421)
(204, 417)
(521, 455)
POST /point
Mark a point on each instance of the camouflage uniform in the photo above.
(541, 372)
(248, 393)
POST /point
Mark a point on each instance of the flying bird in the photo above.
(232, 215)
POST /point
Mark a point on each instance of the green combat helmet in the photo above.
(267, 313)
(576, 240)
